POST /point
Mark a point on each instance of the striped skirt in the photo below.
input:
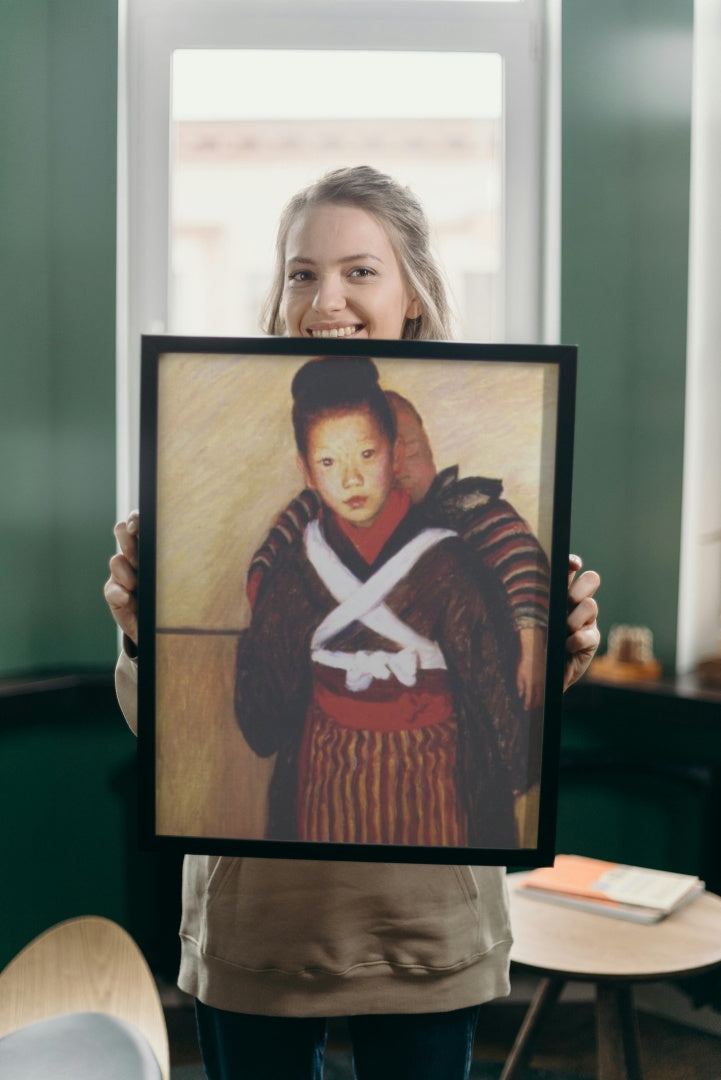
(370, 785)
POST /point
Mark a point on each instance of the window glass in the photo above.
(226, 108)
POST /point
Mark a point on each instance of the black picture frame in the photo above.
(217, 466)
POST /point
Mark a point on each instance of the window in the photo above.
(447, 95)
(235, 161)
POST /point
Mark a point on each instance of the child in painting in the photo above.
(472, 506)
(380, 661)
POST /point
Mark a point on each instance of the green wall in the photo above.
(626, 137)
(58, 75)
(69, 805)
(66, 758)
(625, 201)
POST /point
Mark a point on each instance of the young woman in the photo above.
(272, 948)
(379, 664)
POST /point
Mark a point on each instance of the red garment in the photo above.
(369, 542)
(365, 786)
(384, 706)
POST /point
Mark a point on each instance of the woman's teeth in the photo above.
(337, 331)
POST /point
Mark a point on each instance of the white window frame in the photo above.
(526, 34)
(699, 597)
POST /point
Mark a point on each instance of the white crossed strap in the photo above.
(363, 602)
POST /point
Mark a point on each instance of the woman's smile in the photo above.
(335, 331)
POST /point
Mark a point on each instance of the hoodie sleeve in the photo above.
(126, 689)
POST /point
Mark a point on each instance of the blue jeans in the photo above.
(414, 1046)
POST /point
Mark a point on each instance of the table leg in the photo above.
(617, 1033)
(545, 997)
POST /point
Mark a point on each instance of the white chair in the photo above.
(80, 1002)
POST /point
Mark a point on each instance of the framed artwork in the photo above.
(352, 597)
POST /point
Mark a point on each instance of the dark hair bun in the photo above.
(334, 378)
(335, 384)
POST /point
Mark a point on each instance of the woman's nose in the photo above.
(329, 295)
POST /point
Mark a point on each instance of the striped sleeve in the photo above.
(506, 544)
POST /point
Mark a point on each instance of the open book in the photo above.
(608, 888)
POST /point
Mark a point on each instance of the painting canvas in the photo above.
(352, 601)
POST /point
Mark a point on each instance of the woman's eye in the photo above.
(362, 272)
(326, 462)
(367, 453)
(300, 276)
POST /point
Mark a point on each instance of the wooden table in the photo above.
(563, 944)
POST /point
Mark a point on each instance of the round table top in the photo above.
(559, 940)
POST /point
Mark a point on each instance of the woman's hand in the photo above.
(582, 634)
(121, 587)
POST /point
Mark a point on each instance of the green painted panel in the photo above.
(626, 161)
(624, 817)
(26, 397)
(63, 785)
(642, 780)
(69, 788)
(57, 324)
(82, 271)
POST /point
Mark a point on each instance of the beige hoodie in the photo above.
(297, 938)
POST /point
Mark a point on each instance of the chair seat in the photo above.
(78, 1046)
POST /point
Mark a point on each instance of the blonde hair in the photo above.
(402, 216)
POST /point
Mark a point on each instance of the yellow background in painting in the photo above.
(226, 467)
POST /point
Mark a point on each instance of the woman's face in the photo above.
(349, 462)
(342, 277)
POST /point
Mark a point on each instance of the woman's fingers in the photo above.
(126, 534)
(582, 633)
(120, 590)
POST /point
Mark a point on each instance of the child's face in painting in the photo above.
(343, 278)
(350, 464)
(415, 468)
